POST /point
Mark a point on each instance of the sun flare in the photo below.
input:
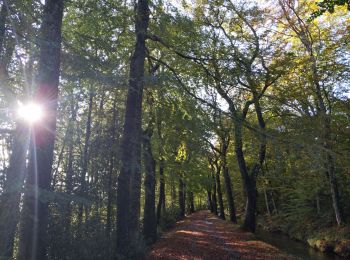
(30, 112)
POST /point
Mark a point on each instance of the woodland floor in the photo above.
(203, 235)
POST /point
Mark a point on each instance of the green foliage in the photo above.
(169, 218)
(328, 6)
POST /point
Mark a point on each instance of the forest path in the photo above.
(203, 235)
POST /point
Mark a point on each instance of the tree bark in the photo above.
(10, 198)
(161, 199)
(209, 198)
(150, 220)
(173, 192)
(128, 190)
(229, 194)
(248, 182)
(182, 197)
(224, 135)
(33, 237)
(191, 202)
(218, 188)
(214, 199)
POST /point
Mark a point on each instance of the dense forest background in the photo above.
(153, 109)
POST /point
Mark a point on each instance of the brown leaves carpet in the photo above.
(203, 235)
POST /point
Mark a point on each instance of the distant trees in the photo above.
(321, 99)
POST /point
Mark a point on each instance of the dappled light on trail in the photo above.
(204, 236)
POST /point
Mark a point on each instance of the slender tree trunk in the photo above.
(128, 190)
(214, 199)
(33, 237)
(229, 194)
(3, 17)
(182, 197)
(339, 216)
(209, 198)
(218, 188)
(85, 164)
(69, 174)
(275, 211)
(150, 220)
(110, 193)
(173, 192)
(267, 203)
(161, 199)
(191, 202)
(225, 141)
(109, 198)
(10, 198)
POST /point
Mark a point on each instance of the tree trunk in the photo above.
(85, 164)
(110, 193)
(214, 199)
(275, 211)
(339, 216)
(161, 200)
(248, 183)
(224, 135)
(267, 203)
(128, 190)
(229, 194)
(191, 202)
(15, 174)
(149, 220)
(69, 174)
(3, 18)
(10, 198)
(182, 197)
(249, 223)
(173, 192)
(33, 237)
(218, 188)
(210, 203)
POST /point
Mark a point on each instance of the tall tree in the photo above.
(33, 231)
(129, 180)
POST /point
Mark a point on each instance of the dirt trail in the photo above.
(203, 235)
